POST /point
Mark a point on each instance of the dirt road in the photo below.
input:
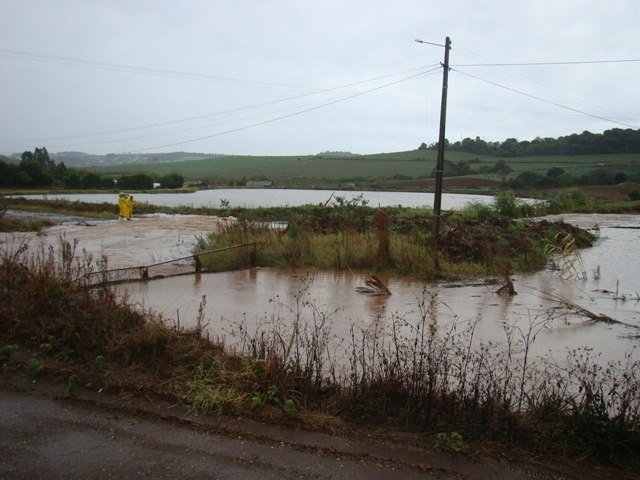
(47, 434)
(49, 438)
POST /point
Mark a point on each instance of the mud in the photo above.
(143, 240)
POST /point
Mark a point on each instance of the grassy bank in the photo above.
(409, 373)
(478, 240)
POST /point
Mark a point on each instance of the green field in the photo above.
(414, 164)
(289, 168)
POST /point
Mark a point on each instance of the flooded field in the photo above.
(275, 197)
(256, 297)
(251, 298)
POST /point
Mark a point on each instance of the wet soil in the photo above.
(141, 241)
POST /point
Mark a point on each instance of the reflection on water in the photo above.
(257, 295)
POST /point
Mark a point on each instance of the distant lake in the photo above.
(275, 197)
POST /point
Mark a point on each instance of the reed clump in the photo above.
(358, 237)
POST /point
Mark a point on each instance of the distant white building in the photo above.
(259, 184)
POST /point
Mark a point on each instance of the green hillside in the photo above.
(609, 158)
(407, 165)
(288, 168)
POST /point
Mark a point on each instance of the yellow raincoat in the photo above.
(122, 205)
(129, 206)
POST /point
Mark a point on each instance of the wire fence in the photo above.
(169, 268)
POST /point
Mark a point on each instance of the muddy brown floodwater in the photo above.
(257, 296)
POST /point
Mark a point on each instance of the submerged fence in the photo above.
(178, 266)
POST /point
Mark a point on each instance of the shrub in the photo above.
(506, 204)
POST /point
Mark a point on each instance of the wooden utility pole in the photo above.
(437, 201)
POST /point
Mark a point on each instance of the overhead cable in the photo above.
(145, 70)
(537, 64)
(546, 101)
(282, 117)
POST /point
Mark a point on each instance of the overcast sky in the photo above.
(286, 77)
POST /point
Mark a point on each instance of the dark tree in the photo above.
(36, 174)
(173, 180)
(9, 174)
(611, 141)
(501, 167)
(139, 181)
(91, 181)
(42, 156)
(619, 177)
(555, 172)
(525, 179)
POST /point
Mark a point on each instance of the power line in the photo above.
(197, 127)
(282, 117)
(120, 67)
(588, 104)
(465, 106)
(145, 70)
(546, 101)
(223, 79)
(164, 72)
(245, 127)
(536, 64)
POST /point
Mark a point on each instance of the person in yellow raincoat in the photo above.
(122, 206)
(129, 204)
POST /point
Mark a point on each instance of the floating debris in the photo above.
(507, 288)
(374, 286)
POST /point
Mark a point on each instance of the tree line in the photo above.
(554, 177)
(616, 140)
(38, 170)
(558, 178)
